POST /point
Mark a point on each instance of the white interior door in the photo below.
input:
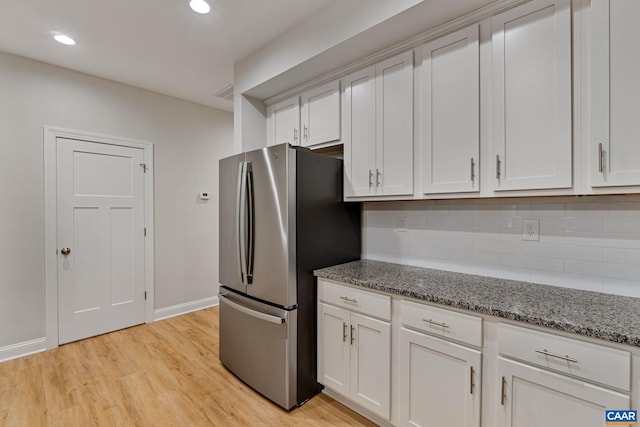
(100, 206)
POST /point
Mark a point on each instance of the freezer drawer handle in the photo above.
(258, 315)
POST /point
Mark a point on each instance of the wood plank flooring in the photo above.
(165, 373)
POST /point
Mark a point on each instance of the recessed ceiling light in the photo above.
(64, 39)
(200, 6)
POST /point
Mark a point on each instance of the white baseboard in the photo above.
(21, 349)
(184, 308)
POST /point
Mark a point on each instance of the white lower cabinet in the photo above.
(354, 356)
(540, 378)
(546, 379)
(439, 382)
(534, 397)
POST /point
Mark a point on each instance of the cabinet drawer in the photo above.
(366, 302)
(444, 323)
(592, 362)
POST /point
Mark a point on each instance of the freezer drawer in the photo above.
(258, 344)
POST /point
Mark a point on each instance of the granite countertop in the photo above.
(593, 314)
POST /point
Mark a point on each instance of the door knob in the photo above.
(65, 251)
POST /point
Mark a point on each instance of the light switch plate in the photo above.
(531, 229)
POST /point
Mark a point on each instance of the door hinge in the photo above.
(145, 232)
(144, 167)
(145, 295)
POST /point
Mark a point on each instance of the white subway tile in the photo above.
(546, 210)
(591, 224)
(491, 258)
(624, 210)
(438, 222)
(547, 249)
(533, 262)
(584, 253)
(622, 225)
(622, 256)
(601, 269)
(416, 220)
(552, 224)
(515, 209)
(500, 246)
(603, 240)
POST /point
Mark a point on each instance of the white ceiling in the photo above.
(159, 45)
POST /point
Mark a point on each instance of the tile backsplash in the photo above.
(590, 243)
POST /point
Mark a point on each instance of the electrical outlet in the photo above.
(531, 229)
(402, 224)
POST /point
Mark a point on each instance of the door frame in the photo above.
(51, 134)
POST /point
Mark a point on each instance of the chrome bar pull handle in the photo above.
(352, 334)
(498, 165)
(378, 177)
(472, 383)
(344, 332)
(503, 393)
(600, 158)
(370, 178)
(431, 322)
(306, 135)
(557, 356)
(295, 135)
(351, 300)
(473, 170)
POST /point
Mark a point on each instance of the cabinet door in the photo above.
(532, 96)
(321, 114)
(394, 126)
(359, 132)
(371, 364)
(615, 91)
(439, 382)
(450, 112)
(283, 124)
(333, 348)
(534, 397)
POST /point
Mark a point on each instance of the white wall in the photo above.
(590, 243)
(325, 29)
(188, 140)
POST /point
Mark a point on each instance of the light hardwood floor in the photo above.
(165, 373)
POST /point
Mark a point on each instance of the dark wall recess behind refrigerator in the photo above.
(328, 233)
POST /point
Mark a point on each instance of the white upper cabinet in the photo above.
(359, 132)
(283, 122)
(615, 93)
(531, 132)
(449, 113)
(394, 125)
(378, 129)
(320, 116)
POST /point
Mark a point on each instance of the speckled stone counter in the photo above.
(593, 314)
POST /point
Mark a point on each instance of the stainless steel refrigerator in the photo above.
(281, 217)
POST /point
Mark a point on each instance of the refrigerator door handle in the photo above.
(253, 313)
(252, 224)
(241, 204)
